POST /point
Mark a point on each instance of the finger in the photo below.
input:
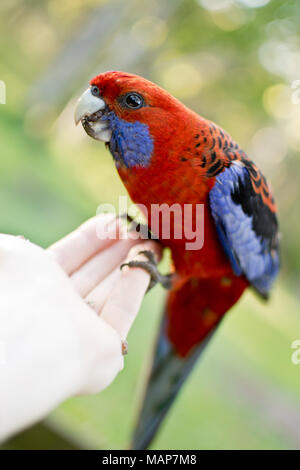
(93, 236)
(124, 301)
(98, 296)
(98, 267)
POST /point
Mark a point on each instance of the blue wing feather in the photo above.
(250, 253)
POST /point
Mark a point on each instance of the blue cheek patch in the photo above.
(131, 143)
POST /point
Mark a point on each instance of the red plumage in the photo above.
(176, 175)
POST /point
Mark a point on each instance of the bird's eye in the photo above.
(133, 101)
(95, 90)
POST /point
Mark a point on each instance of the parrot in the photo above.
(167, 154)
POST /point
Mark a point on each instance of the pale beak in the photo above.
(87, 105)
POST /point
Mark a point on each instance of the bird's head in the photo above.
(130, 114)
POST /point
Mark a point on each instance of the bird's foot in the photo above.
(151, 267)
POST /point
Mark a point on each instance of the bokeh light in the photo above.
(277, 101)
(268, 147)
(150, 31)
(230, 19)
(214, 5)
(183, 79)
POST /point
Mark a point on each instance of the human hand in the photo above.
(56, 344)
(92, 263)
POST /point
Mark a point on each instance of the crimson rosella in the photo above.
(167, 154)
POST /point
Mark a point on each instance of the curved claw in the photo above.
(141, 229)
(150, 266)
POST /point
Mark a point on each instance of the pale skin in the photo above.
(64, 313)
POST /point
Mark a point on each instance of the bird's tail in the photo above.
(168, 373)
(186, 328)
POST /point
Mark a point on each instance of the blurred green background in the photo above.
(233, 61)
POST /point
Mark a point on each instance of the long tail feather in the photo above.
(168, 374)
(193, 312)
